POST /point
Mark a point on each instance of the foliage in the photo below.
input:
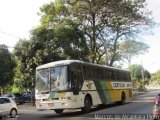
(103, 23)
(136, 71)
(48, 45)
(142, 88)
(129, 49)
(136, 74)
(72, 42)
(6, 66)
(15, 89)
(90, 30)
(106, 22)
(156, 77)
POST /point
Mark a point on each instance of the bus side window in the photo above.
(88, 73)
(125, 77)
(107, 74)
(115, 75)
(128, 76)
(121, 74)
(112, 75)
(98, 74)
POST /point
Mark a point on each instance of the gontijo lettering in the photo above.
(120, 85)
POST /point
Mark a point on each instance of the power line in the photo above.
(8, 34)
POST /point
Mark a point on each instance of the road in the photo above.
(139, 108)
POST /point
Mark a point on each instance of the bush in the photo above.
(142, 89)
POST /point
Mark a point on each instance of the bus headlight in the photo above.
(65, 104)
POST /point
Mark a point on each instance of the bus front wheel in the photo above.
(87, 104)
(59, 111)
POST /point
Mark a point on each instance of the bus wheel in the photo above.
(59, 111)
(13, 113)
(123, 98)
(87, 104)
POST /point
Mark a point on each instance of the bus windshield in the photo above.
(42, 80)
(58, 79)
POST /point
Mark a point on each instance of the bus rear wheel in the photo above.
(87, 104)
(59, 111)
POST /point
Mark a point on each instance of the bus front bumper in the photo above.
(47, 105)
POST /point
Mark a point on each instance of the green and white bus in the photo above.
(72, 84)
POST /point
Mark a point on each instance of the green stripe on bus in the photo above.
(54, 95)
(102, 91)
(51, 95)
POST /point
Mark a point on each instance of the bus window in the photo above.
(88, 73)
(128, 76)
(98, 73)
(115, 75)
(125, 76)
(112, 75)
(121, 74)
(76, 67)
(107, 74)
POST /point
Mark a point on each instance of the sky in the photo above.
(19, 17)
(151, 59)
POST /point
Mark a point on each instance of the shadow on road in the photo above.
(79, 113)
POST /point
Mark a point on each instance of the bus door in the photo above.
(76, 78)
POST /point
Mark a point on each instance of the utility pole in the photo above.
(142, 70)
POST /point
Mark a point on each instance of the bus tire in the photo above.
(59, 111)
(13, 113)
(123, 98)
(87, 104)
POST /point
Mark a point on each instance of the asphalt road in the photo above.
(139, 108)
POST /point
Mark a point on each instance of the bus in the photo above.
(74, 84)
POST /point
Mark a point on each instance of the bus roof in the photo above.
(58, 63)
(67, 62)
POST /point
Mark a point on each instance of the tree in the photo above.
(72, 42)
(136, 71)
(48, 45)
(136, 74)
(6, 67)
(103, 23)
(29, 54)
(22, 68)
(69, 39)
(130, 48)
(156, 77)
(106, 22)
